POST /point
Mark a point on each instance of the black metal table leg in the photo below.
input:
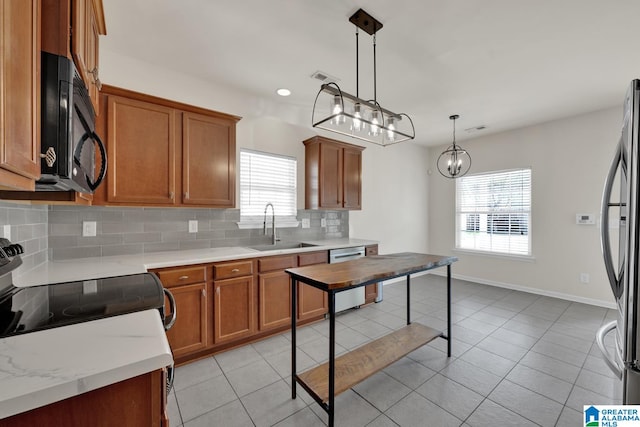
(293, 336)
(332, 356)
(448, 310)
(408, 299)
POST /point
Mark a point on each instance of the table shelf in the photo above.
(359, 364)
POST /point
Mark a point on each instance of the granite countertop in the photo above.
(94, 268)
(43, 367)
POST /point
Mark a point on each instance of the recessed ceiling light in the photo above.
(283, 92)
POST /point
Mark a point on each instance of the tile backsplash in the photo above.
(121, 231)
(29, 228)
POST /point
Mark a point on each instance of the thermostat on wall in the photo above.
(585, 219)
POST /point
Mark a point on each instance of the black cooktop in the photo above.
(35, 308)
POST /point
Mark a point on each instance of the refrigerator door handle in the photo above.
(609, 359)
(615, 279)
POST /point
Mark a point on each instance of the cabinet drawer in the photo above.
(182, 276)
(229, 270)
(312, 258)
(371, 250)
(276, 263)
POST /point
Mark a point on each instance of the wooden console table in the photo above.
(337, 375)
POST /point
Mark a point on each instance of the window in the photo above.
(267, 178)
(493, 212)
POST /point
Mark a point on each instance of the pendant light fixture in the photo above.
(455, 161)
(343, 113)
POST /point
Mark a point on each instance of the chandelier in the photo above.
(455, 161)
(343, 113)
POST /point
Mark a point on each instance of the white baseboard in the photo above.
(537, 291)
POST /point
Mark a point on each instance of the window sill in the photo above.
(510, 257)
(280, 223)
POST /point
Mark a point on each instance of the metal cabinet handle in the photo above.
(235, 270)
(218, 291)
(183, 277)
(204, 293)
(186, 195)
(96, 79)
(171, 195)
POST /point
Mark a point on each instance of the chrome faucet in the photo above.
(274, 239)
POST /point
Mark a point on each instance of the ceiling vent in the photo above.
(475, 129)
(324, 77)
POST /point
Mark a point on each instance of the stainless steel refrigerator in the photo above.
(623, 267)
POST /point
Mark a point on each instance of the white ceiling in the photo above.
(500, 63)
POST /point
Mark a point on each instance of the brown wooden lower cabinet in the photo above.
(371, 291)
(189, 332)
(138, 401)
(274, 291)
(229, 303)
(234, 308)
(275, 300)
(312, 302)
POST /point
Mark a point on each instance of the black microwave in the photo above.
(69, 143)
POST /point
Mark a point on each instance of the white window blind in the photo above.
(493, 212)
(267, 178)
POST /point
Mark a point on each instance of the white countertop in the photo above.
(48, 366)
(93, 268)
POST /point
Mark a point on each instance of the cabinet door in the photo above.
(141, 398)
(371, 291)
(312, 302)
(189, 332)
(19, 93)
(330, 176)
(141, 146)
(352, 176)
(234, 309)
(208, 160)
(92, 34)
(274, 294)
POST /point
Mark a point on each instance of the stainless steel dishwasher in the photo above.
(353, 297)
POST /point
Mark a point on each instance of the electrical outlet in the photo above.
(323, 222)
(88, 228)
(584, 277)
(306, 223)
(193, 226)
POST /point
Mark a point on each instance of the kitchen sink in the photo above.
(281, 245)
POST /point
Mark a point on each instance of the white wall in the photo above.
(394, 178)
(569, 159)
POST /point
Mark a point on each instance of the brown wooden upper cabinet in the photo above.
(333, 174)
(19, 94)
(164, 153)
(72, 28)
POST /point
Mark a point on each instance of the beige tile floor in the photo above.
(518, 360)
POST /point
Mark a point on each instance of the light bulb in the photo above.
(375, 124)
(391, 127)
(336, 111)
(356, 124)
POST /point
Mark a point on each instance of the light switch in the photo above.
(306, 223)
(88, 228)
(193, 226)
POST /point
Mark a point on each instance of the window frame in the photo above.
(257, 221)
(459, 212)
